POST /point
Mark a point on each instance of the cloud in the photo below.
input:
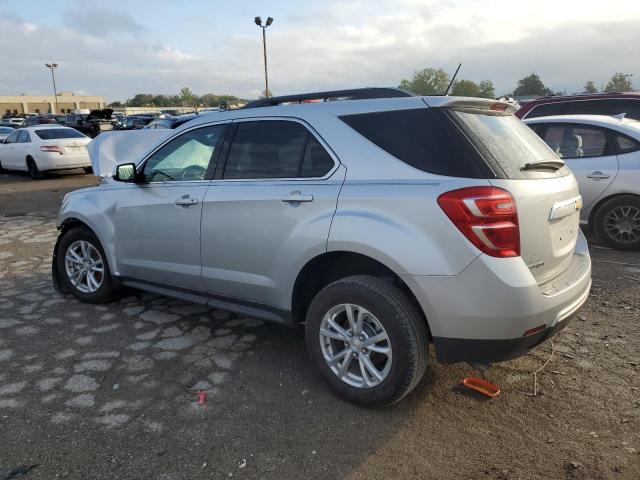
(338, 45)
(100, 21)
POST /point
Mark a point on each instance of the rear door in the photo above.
(588, 152)
(158, 221)
(268, 209)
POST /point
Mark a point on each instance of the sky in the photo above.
(118, 48)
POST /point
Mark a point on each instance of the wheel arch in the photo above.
(328, 267)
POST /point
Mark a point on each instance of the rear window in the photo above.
(508, 144)
(608, 106)
(424, 138)
(58, 133)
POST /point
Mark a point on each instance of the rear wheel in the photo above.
(367, 339)
(82, 264)
(32, 169)
(87, 169)
(617, 222)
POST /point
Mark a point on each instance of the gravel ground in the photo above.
(109, 391)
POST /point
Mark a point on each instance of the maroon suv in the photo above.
(589, 104)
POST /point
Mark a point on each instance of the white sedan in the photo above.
(604, 154)
(41, 148)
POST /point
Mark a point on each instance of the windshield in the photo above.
(58, 133)
(507, 142)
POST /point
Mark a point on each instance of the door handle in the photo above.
(598, 175)
(296, 197)
(186, 200)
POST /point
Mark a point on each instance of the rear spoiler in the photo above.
(471, 104)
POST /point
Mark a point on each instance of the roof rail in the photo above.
(353, 94)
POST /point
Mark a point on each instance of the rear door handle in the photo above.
(296, 197)
(186, 200)
(598, 175)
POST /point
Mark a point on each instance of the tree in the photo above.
(531, 85)
(465, 88)
(620, 82)
(590, 87)
(186, 95)
(263, 95)
(116, 104)
(430, 81)
(487, 89)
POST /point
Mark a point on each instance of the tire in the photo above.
(617, 222)
(1, 168)
(406, 331)
(87, 169)
(32, 169)
(83, 289)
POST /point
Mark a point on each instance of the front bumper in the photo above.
(482, 314)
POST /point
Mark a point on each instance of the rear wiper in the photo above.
(551, 164)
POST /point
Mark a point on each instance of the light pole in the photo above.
(53, 66)
(258, 21)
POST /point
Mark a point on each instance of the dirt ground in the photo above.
(104, 392)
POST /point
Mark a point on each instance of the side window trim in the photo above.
(219, 174)
(214, 159)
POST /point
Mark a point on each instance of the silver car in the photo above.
(603, 153)
(384, 223)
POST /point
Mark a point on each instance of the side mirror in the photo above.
(126, 173)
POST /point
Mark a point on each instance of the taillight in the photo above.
(52, 148)
(487, 216)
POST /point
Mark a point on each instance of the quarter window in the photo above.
(275, 149)
(186, 157)
(625, 144)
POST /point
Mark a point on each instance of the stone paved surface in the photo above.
(108, 391)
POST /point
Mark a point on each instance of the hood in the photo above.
(104, 114)
(117, 147)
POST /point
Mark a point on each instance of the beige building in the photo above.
(67, 103)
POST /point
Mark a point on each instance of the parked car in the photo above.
(604, 154)
(171, 122)
(5, 131)
(381, 223)
(96, 122)
(13, 121)
(44, 147)
(586, 104)
(134, 122)
(32, 120)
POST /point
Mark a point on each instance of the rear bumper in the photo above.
(55, 161)
(482, 314)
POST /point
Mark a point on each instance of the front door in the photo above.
(158, 220)
(589, 154)
(270, 209)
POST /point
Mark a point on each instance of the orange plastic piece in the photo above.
(482, 386)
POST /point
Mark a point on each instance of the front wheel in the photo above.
(82, 266)
(367, 339)
(617, 222)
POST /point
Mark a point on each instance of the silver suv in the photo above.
(383, 223)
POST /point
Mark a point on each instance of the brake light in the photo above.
(52, 148)
(486, 216)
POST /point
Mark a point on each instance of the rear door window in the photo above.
(577, 141)
(275, 149)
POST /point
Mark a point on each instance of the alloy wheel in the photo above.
(622, 224)
(84, 266)
(355, 346)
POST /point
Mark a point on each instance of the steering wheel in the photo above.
(193, 172)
